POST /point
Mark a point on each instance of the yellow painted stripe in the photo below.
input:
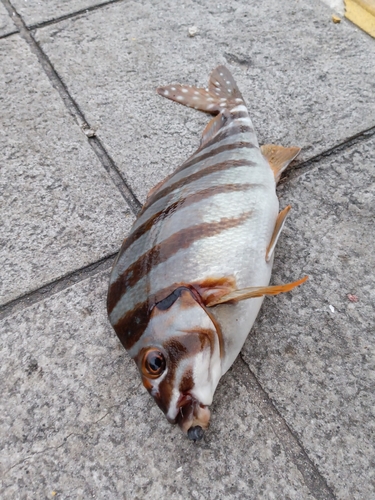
(362, 13)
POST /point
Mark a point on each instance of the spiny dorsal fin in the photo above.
(279, 157)
(256, 291)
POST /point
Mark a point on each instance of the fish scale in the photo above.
(190, 279)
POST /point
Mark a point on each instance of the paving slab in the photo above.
(314, 350)
(34, 13)
(299, 72)
(7, 26)
(77, 422)
(59, 209)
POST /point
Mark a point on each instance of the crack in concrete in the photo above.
(293, 449)
(9, 34)
(72, 15)
(64, 440)
(299, 169)
(74, 110)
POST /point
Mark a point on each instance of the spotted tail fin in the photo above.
(222, 93)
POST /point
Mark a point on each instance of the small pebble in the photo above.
(89, 132)
(332, 308)
(193, 30)
(336, 19)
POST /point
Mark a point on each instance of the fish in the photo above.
(190, 278)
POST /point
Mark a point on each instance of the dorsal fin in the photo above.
(279, 157)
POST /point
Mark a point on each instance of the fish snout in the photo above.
(193, 418)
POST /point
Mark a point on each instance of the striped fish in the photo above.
(202, 244)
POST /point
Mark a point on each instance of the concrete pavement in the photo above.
(83, 138)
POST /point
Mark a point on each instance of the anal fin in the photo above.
(255, 291)
(279, 157)
(280, 221)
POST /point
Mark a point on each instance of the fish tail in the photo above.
(222, 93)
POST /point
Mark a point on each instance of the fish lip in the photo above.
(183, 401)
(189, 410)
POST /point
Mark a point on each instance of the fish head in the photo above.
(179, 359)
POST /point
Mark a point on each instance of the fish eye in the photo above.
(153, 363)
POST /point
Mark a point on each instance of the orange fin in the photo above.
(279, 157)
(212, 289)
(222, 93)
(256, 291)
(280, 221)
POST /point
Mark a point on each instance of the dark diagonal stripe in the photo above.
(194, 159)
(166, 249)
(227, 147)
(131, 326)
(115, 289)
(225, 165)
(224, 134)
(239, 114)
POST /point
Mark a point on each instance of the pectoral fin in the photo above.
(280, 221)
(213, 288)
(257, 291)
(279, 157)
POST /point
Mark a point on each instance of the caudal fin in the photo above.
(222, 93)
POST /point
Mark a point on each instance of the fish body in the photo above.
(190, 278)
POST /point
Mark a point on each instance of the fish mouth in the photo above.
(193, 418)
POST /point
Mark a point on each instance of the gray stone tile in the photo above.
(307, 81)
(78, 422)
(314, 349)
(59, 209)
(34, 13)
(7, 26)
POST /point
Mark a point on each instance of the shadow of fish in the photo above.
(202, 244)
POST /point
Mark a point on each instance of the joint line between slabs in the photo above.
(293, 449)
(56, 286)
(9, 34)
(74, 110)
(72, 15)
(334, 150)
